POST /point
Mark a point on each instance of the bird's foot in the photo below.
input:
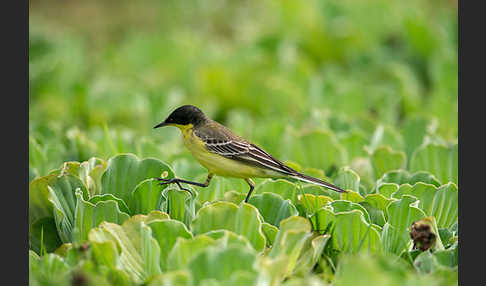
(166, 181)
(173, 181)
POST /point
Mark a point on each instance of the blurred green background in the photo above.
(362, 73)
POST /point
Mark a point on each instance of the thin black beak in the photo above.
(162, 124)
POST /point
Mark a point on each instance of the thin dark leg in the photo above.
(179, 181)
(252, 186)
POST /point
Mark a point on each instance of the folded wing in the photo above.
(246, 152)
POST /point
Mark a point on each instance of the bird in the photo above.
(224, 153)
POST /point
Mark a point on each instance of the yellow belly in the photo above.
(220, 165)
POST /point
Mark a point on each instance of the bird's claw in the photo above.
(173, 181)
(166, 181)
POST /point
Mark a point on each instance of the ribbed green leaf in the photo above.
(109, 197)
(384, 159)
(220, 263)
(139, 251)
(39, 204)
(243, 219)
(290, 241)
(308, 204)
(352, 196)
(287, 190)
(323, 219)
(387, 189)
(401, 214)
(400, 177)
(444, 206)
(346, 206)
(273, 207)
(126, 171)
(376, 205)
(90, 173)
(62, 196)
(347, 179)
(442, 203)
(376, 216)
(147, 196)
(43, 235)
(234, 197)
(106, 253)
(89, 215)
(422, 191)
(311, 253)
(179, 204)
(218, 187)
(270, 233)
(378, 201)
(291, 224)
(166, 232)
(316, 190)
(440, 160)
(352, 233)
(186, 249)
(156, 215)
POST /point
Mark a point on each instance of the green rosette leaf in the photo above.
(126, 171)
(243, 219)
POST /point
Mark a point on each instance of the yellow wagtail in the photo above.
(226, 154)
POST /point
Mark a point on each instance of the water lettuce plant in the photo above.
(134, 230)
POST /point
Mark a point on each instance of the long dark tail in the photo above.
(309, 179)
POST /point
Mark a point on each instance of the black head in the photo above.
(184, 115)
